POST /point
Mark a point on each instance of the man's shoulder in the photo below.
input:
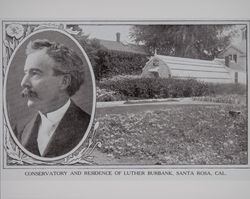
(75, 121)
(75, 118)
(77, 112)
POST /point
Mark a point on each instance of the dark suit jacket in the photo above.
(67, 135)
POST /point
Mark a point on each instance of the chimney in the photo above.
(227, 61)
(118, 36)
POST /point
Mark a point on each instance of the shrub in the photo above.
(225, 89)
(119, 77)
(112, 63)
(145, 88)
(104, 95)
(135, 87)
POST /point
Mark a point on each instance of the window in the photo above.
(155, 74)
(235, 58)
(156, 62)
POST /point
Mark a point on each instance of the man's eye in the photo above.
(34, 73)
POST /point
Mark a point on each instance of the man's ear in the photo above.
(66, 81)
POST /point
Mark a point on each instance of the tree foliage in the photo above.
(194, 41)
(113, 63)
(90, 46)
(108, 63)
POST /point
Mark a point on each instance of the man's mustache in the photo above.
(29, 93)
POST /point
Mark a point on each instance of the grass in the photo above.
(193, 135)
(230, 99)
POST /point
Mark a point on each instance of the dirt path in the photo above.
(109, 108)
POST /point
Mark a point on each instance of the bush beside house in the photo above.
(148, 88)
(112, 63)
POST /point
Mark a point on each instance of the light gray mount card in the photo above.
(148, 99)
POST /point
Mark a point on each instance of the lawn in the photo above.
(177, 135)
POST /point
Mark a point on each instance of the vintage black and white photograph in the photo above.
(166, 94)
(171, 94)
(49, 91)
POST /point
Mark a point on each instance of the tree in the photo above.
(194, 41)
(90, 46)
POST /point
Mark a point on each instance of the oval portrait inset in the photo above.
(49, 95)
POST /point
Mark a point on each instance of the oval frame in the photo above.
(25, 151)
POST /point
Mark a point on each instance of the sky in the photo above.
(108, 32)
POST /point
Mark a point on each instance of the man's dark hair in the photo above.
(66, 61)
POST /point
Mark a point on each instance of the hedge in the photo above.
(112, 63)
(107, 63)
(227, 89)
(148, 88)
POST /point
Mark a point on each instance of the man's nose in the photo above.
(25, 81)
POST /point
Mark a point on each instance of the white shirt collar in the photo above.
(48, 126)
(57, 115)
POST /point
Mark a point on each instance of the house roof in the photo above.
(119, 46)
(240, 47)
(195, 68)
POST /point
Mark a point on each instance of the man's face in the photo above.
(41, 87)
